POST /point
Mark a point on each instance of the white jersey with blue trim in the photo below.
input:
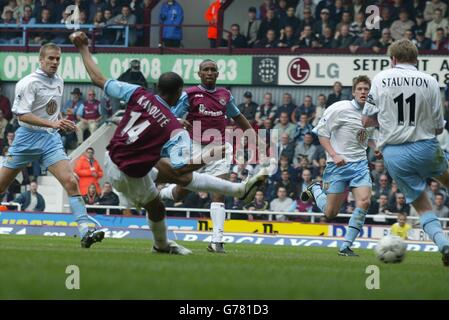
(342, 124)
(40, 95)
(407, 103)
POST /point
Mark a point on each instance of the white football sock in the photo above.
(208, 183)
(159, 230)
(218, 215)
(167, 192)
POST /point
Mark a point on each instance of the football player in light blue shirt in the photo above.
(406, 105)
(37, 105)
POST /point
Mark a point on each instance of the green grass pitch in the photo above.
(34, 267)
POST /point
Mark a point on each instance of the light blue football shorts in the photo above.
(30, 145)
(352, 174)
(410, 164)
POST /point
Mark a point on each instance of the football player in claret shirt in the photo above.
(150, 145)
(206, 107)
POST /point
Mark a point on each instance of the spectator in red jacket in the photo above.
(89, 171)
(211, 16)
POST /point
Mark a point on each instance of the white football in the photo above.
(391, 249)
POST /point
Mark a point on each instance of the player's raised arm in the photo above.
(232, 111)
(80, 40)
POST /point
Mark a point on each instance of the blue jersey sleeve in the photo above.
(292, 207)
(182, 107)
(231, 108)
(119, 90)
(178, 149)
(79, 110)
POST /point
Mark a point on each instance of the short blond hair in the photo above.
(359, 79)
(404, 51)
(46, 47)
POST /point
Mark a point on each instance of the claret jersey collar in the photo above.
(205, 89)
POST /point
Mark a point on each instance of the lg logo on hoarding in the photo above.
(298, 70)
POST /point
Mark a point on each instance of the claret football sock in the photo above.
(354, 227)
(218, 216)
(432, 226)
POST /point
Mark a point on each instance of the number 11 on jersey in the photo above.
(399, 100)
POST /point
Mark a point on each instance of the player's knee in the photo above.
(363, 203)
(70, 184)
(331, 212)
(3, 187)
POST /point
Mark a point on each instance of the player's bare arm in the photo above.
(372, 144)
(242, 122)
(370, 121)
(338, 159)
(62, 124)
(80, 40)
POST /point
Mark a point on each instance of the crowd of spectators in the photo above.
(338, 24)
(341, 24)
(105, 15)
(302, 159)
(289, 24)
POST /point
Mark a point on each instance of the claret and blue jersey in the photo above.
(147, 131)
